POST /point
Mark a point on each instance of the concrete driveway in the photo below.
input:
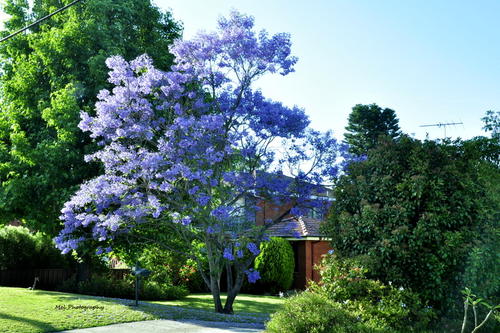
(163, 325)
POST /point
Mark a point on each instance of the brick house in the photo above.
(308, 248)
(303, 233)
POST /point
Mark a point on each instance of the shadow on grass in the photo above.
(194, 301)
(63, 296)
(202, 301)
(194, 307)
(38, 324)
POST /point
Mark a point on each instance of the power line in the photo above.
(40, 20)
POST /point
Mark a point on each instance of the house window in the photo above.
(315, 213)
(243, 216)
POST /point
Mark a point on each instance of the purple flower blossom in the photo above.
(193, 190)
(221, 213)
(253, 248)
(203, 200)
(252, 275)
(228, 253)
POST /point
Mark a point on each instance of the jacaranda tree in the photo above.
(192, 150)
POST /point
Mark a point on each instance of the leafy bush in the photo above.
(482, 272)
(276, 264)
(414, 207)
(167, 267)
(22, 249)
(155, 291)
(314, 313)
(345, 281)
(100, 285)
(192, 278)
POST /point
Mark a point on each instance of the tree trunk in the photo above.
(215, 290)
(232, 291)
(215, 271)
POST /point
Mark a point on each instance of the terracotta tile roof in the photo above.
(295, 227)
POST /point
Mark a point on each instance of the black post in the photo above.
(138, 273)
(136, 290)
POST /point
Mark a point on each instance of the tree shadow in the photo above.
(63, 296)
(36, 323)
(250, 306)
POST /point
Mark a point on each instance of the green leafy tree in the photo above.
(415, 208)
(48, 75)
(492, 123)
(366, 124)
(482, 272)
(23, 249)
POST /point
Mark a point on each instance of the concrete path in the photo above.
(162, 325)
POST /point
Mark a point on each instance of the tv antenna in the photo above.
(443, 125)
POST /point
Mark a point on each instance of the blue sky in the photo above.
(430, 61)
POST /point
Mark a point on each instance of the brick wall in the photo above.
(269, 210)
(307, 254)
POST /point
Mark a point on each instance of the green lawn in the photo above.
(244, 303)
(23, 310)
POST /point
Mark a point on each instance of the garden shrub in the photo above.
(167, 267)
(482, 271)
(22, 249)
(310, 312)
(191, 277)
(101, 285)
(276, 264)
(152, 290)
(345, 281)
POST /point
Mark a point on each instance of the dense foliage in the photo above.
(482, 269)
(366, 124)
(22, 249)
(314, 313)
(346, 281)
(347, 301)
(414, 208)
(169, 267)
(276, 265)
(492, 123)
(184, 150)
(49, 74)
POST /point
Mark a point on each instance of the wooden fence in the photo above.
(48, 278)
